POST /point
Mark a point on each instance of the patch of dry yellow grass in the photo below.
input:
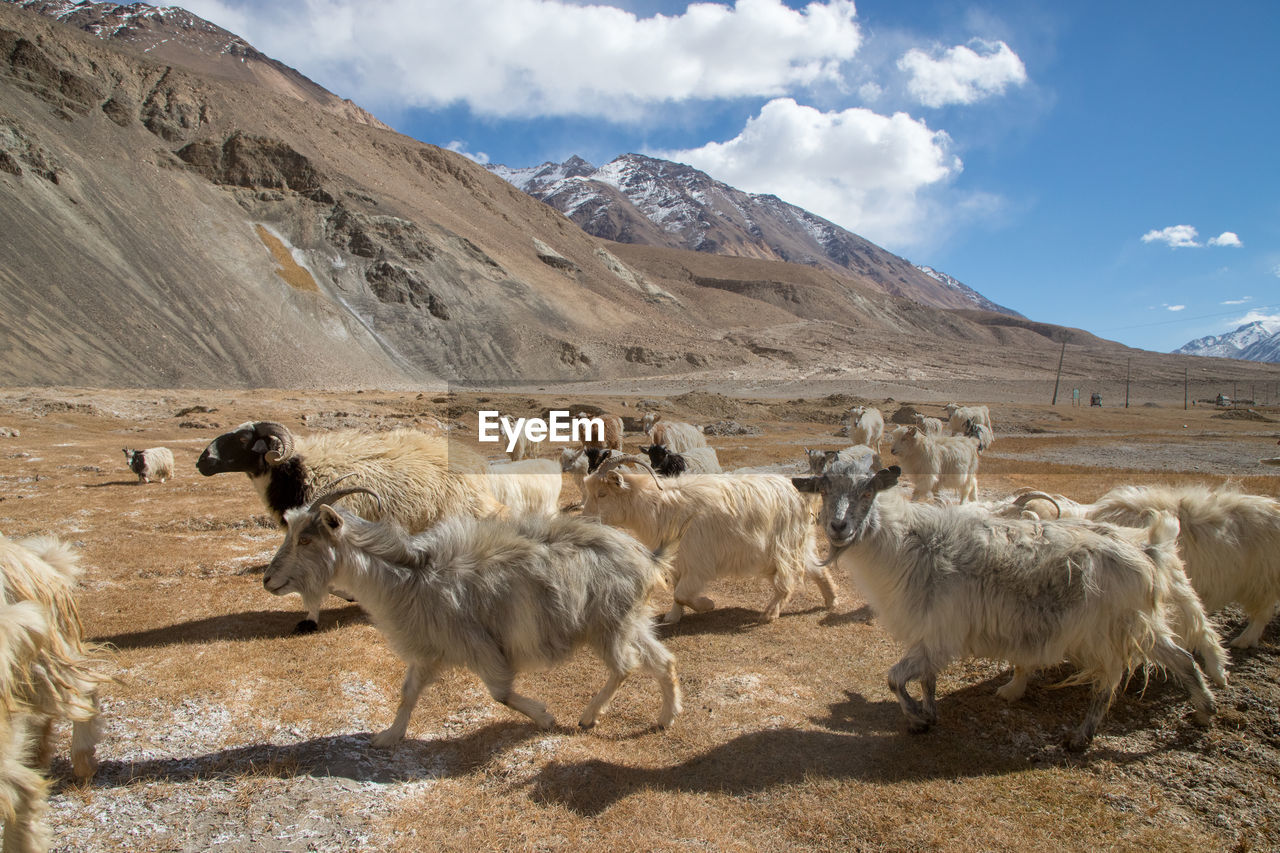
(790, 738)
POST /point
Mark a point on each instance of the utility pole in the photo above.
(1184, 388)
(1126, 381)
(1061, 356)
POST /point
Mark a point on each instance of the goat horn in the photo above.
(1026, 497)
(631, 459)
(330, 497)
(279, 441)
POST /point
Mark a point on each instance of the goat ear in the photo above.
(886, 478)
(805, 484)
(614, 478)
(330, 520)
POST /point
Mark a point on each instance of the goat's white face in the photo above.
(604, 497)
(906, 439)
(306, 559)
(848, 492)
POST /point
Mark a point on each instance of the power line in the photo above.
(1183, 319)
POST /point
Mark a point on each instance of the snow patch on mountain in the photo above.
(697, 212)
(1256, 341)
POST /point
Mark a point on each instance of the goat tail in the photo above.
(1162, 531)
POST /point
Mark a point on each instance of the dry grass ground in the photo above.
(227, 732)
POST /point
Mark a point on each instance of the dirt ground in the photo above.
(227, 732)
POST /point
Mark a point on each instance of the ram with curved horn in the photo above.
(749, 525)
(421, 478)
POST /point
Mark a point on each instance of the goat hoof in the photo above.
(306, 626)
(919, 727)
(386, 740)
(586, 726)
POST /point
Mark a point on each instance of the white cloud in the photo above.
(460, 146)
(1177, 236)
(1175, 307)
(962, 75)
(1226, 238)
(1253, 317)
(1242, 300)
(542, 57)
(867, 172)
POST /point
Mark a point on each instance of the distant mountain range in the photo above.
(1256, 341)
(654, 202)
(180, 210)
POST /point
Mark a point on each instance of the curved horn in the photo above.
(631, 459)
(330, 497)
(279, 441)
(1026, 497)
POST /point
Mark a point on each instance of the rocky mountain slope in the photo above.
(180, 211)
(638, 199)
(1256, 341)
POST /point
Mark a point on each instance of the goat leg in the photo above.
(418, 676)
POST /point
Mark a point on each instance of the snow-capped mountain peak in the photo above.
(1256, 341)
(639, 199)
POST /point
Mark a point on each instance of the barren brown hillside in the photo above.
(147, 200)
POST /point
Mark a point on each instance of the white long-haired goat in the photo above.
(740, 525)
(947, 582)
(47, 673)
(866, 426)
(746, 525)
(676, 436)
(937, 462)
(497, 596)
(531, 485)
(1229, 541)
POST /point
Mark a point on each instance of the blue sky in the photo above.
(1106, 165)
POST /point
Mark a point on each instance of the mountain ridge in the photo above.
(169, 223)
(640, 199)
(1255, 341)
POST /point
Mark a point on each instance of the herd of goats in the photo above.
(462, 563)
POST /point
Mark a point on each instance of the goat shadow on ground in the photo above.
(346, 756)
(977, 735)
(115, 483)
(861, 615)
(723, 620)
(249, 625)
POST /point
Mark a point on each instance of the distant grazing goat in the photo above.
(980, 433)
(1230, 543)
(949, 581)
(613, 432)
(497, 596)
(957, 416)
(752, 525)
(934, 463)
(866, 426)
(700, 460)
(820, 459)
(421, 478)
(154, 463)
(929, 426)
(676, 436)
(524, 448)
